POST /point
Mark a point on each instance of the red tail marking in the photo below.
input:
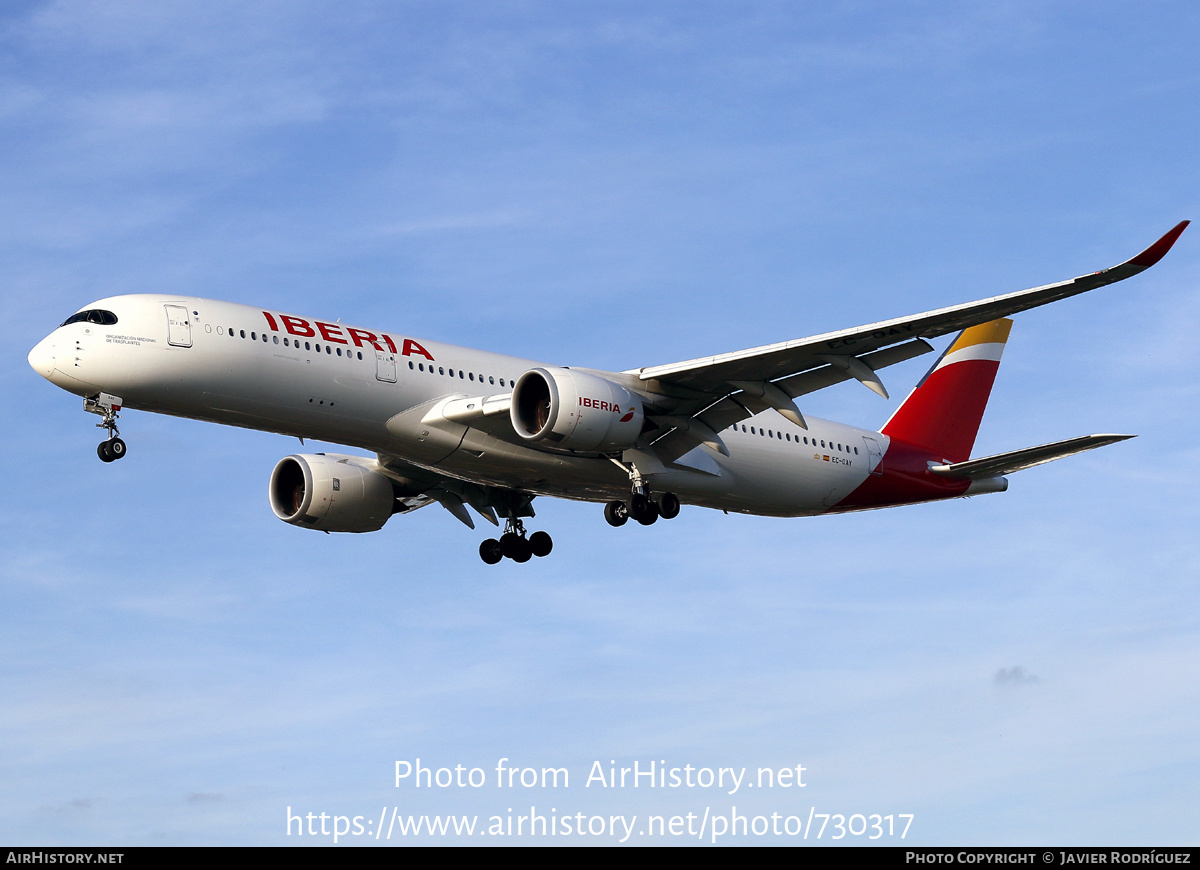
(943, 413)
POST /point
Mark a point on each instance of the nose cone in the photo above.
(41, 358)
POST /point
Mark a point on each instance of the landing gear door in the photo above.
(179, 326)
(874, 455)
(385, 366)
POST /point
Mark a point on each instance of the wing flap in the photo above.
(828, 375)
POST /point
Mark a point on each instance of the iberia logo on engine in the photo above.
(611, 407)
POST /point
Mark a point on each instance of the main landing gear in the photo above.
(107, 407)
(643, 507)
(515, 545)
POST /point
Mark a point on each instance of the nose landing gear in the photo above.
(107, 407)
(515, 545)
(110, 450)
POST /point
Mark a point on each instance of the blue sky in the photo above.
(607, 185)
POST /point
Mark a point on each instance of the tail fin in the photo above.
(944, 410)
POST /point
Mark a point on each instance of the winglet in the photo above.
(1158, 250)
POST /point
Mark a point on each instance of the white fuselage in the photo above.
(243, 366)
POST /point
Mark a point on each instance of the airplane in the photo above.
(469, 428)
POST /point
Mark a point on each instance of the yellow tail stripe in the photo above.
(995, 332)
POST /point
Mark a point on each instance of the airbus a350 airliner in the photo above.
(465, 427)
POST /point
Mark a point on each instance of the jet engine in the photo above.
(331, 493)
(563, 409)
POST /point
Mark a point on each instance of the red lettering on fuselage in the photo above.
(327, 329)
(330, 332)
(297, 326)
(411, 347)
(361, 335)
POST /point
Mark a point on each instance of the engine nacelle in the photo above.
(563, 409)
(330, 492)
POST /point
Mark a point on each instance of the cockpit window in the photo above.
(92, 315)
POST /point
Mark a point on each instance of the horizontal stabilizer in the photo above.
(1018, 460)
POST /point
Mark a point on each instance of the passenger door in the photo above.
(179, 326)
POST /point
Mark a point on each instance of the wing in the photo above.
(698, 398)
(775, 361)
(689, 403)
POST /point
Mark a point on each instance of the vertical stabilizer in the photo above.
(944, 411)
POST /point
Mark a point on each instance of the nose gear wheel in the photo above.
(107, 407)
(111, 450)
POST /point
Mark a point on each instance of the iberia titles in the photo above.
(600, 405)
(333, 333)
